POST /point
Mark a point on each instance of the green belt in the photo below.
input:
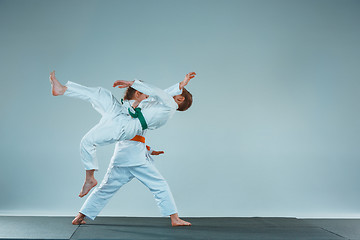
(138, 114)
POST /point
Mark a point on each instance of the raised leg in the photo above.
(100, 98)
(104, 133)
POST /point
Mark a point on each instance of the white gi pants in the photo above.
(117, 176)
(111, 126)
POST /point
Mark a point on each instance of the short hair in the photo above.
(129, 94)
(187, 101)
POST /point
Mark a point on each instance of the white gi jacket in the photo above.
(129, 153)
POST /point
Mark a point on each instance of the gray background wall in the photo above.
(275, 125)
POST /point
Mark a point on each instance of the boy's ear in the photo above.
(180, 98)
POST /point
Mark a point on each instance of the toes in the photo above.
(78, 221)
(82, 193)
(186, 223)
(75, 222)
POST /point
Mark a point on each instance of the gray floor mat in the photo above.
(349, 228)
(256, 228)
(203, 228)
(36, 227)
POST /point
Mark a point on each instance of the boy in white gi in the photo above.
(132, 159)
(115, 123)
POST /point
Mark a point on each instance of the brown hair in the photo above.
(129, 94)
(187, 101)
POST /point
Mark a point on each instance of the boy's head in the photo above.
(132, 94)
(184, 100)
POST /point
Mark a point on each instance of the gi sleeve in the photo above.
(148, 154)
(149, 150)
(155, 92)
(174, 90)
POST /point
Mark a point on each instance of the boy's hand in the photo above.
(187, 79)
(157, 152)
(123, 83)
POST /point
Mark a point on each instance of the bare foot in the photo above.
(79, 219)
(180, 222)
(88, 185)
(56, 87)
(176, 221)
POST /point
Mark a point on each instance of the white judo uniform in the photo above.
(131, 159)
(115, 123)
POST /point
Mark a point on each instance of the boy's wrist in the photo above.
(182, 84)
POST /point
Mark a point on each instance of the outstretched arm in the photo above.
(123, 83)
(177, 88)
(182, 84)
(148, 89)
(161, 95)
